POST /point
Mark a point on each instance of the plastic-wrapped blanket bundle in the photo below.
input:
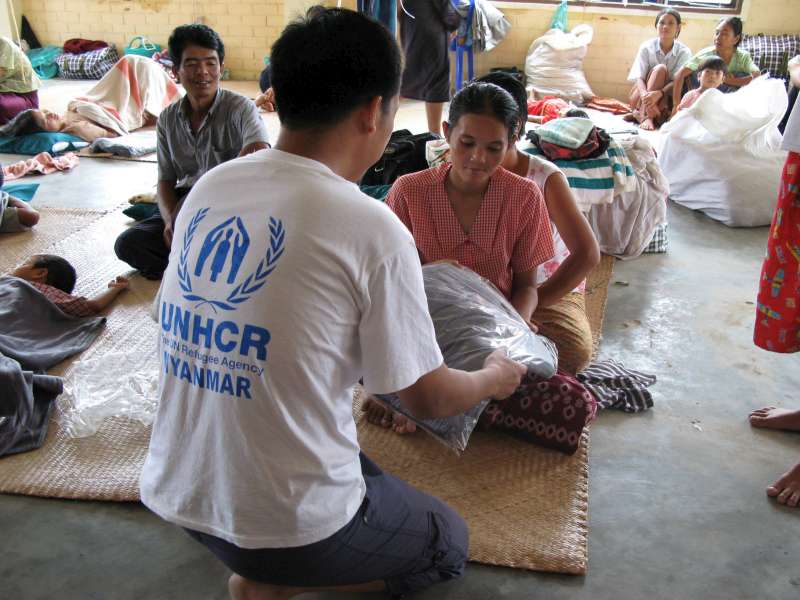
(114, 385)
(472, 319)
(722, 155)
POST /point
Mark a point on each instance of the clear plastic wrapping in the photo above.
(472, 319)
(120, 384)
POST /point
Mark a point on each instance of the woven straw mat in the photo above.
(54, 224)
(526, 506)
(105, 466)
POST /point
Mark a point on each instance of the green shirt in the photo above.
(741, 62)
(16, 72)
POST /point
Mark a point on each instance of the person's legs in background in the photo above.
(433, 112)
(142, 246)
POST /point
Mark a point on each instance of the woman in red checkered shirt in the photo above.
(475, 212)
(472, 210)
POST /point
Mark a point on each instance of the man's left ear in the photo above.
(370, 114)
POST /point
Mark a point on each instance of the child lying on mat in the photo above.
(551, 107)
(711, 75)
(55, 278)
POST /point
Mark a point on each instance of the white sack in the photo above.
(722, 155)
(554, 65)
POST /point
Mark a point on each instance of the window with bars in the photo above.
(730, 7)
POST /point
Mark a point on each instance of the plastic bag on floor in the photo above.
(114, 385)
(554, 65)
(472, 319)
(722, 155)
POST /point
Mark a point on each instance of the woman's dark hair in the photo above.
(669, 11)
(736, 25)
(60, 274)
(514, 87)
(485, 99)
(195, 35)
(715, 63)
(329, 63)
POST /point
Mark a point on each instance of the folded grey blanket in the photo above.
(132, 145)
(34, 336)
(26, 402)
(34, 332)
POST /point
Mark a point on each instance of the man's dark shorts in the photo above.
(399, 535)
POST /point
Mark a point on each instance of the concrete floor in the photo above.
(677, 503)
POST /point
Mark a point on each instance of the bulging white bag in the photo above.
(722, 155)
(554, 65)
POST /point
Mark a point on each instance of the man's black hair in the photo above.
(330, 62)
(60, 274)
(715, 63)
(194, 35)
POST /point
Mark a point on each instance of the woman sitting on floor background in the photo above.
(129, 96)
(18, 82)
(741, 68)
(653, 72)
(561, 311)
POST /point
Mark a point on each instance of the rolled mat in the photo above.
(596, 296)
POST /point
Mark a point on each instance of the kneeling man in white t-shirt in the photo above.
(274, 304)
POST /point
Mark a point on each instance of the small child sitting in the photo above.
(54, 277)
(710, 73)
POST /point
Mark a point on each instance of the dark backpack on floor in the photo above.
(405, 153)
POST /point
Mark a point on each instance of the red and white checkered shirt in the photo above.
(77, 306)
(510, 234)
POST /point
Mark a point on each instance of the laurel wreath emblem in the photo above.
(251, 284)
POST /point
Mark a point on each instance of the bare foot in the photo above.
(648, 125)
(244, 589)
(379, 414)
(787, 489)
(402, 424)
(630, 117)
(376, 412)
(776, 418)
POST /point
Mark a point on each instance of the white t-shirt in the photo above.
(791, 135)
(285, 285)
(650, 54)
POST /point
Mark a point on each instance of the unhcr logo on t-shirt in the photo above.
(220, 259)
(219, 354)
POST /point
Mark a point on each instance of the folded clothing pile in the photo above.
(570, 138)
